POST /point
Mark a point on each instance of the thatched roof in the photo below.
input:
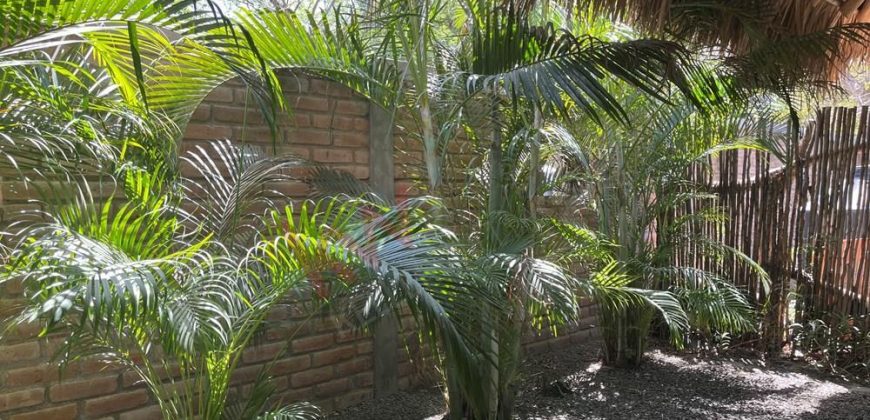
(740, 26)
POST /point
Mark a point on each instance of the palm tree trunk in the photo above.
(430, 144)
(495, 204)
(456, 402)
(534, 162)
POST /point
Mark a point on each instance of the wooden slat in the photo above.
(796, 221)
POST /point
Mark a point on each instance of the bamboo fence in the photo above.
(803, 214)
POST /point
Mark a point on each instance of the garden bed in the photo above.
(572, 384)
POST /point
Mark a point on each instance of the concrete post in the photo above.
(382, 181)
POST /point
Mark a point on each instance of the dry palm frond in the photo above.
(741, 27)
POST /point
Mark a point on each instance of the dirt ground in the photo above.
(572, 384)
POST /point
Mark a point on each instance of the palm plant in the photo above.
(181, 276)
(176, 297)
(137, 284)
(500, 67)
(145, 50)
(508, 69)
(91, 80)
(637, 177)
(514, 64)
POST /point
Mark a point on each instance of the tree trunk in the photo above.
(495, 205)
(624, 335)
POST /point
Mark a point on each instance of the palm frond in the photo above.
(149, 49)
(232, 187)
(544, 67)
(329, 44)
(298, 411)
(611, 288)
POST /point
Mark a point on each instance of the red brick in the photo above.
(19, 191)
(321, 325)
(318, 137)
(278, 331)
(322, 120)
(52, 344)
(83, 389)
(361, 124)
(364, 379)
(311, 103)
(290, 188)
(345, 336)
(291, 365)
(358, 171)
(356, 139)
(14, 287)
(318, 86)
(131, 378)
(407, 145)
(316, 342)
(33, 375)
(341, 91)
(361, 156)
(333, 356)
(360, 364)
(264, 352)
(145, 413)
(351, 107)
(220, 94)
(302, 152)
(245, 374)
(293, 83)
(18, 399)
(202, 113)
(278, 313)
(243, 97)
(28, 330)
(255, 134)
(207, 132)
(332, 388)
(115, 403)
(342, 123)
(364, 348)
(333, 155)
(62, 412)
(302, 120)
(19, 352)
(91, 366)
(311, 377)
(12, 307)
(236, 114)
(234, 82)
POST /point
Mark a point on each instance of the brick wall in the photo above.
(320, 360)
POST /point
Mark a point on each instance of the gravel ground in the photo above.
(572, 384)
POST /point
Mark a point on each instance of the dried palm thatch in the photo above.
(834, 32)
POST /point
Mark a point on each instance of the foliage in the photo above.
(176, 298)
(172, 276)
(841, 344)
(493, 75)
(637, 177)
(140, 285)
(554, 101)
